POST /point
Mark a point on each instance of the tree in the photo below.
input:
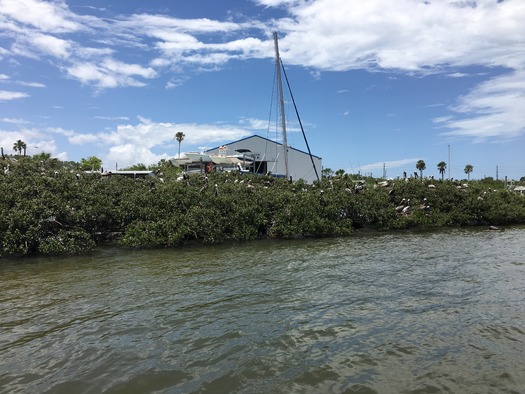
(179, 136)
(327, 172)
(340, 172)
(136, 167)
(43, 156)
(165, 168)
(442, 166)
(468, 169)
(20, 146)
(92, 163)
(421, 166)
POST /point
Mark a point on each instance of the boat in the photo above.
(241, 161)
(245, 160)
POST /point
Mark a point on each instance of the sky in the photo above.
(378, 84)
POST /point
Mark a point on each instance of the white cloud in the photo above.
(150, 134)
(45, 16)
(6, 95)
(81, 139)
(141, 142)
(441, 119)
(254, 124)
(110, 73)
(494, 109)
(128, 69)
(174, 83)
(3, 77)
(130, 144)
(51, 45)
(112, 117)
(406, 35)
(168, 28)
(46, 145)
(3, 52)
(32, 44)
(31, 84)
(419, 37)
(60, 131)
(90, 53)
(411, 36)
(388, 164)
(276, 3)
(14, 121)
(35, 139)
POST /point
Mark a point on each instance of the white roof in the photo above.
(197, 156)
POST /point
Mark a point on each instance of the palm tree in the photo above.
(442, 167)
(179, 136)
(468, 169)
(20, 146)
(420, 165)
(327, 172)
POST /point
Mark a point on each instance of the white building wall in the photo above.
(299, 163)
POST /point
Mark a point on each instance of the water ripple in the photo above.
(406, 313)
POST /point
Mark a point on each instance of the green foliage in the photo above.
(179, 136)
(442, 166)
(92, 163)
(166, 170)
(491, 183)
(421, 166)
(20, 146)
(67, 242)
(136, 167)
(47, 209)
(327, 172)
(468, 169)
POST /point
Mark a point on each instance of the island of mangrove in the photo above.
(54, 207)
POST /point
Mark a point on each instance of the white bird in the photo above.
(401, 206)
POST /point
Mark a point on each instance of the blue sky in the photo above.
(377, 82)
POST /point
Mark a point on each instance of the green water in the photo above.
(382, 313)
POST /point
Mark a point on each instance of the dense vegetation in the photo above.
(49, 208)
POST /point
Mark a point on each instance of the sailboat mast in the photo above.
(281, 102)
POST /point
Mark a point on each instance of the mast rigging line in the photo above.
(299, 118)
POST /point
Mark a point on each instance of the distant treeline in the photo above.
(46, 209)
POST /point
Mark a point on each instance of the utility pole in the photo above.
(449, 164)
(384, 171)
(497, 173)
